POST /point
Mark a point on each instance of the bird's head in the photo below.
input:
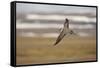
(72, 32)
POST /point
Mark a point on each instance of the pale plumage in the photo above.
(64, 32)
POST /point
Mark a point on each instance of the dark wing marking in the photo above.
(60, 37)
(66, 24)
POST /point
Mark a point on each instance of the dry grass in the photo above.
(41, 50)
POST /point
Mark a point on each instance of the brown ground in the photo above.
(41, 50)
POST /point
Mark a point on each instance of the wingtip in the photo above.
(54, 44)
(67, 19)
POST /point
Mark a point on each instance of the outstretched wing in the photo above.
(66, 24)
(60, 37)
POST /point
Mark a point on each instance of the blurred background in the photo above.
(38, 26)
(34, 20)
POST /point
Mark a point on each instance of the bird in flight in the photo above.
(64, 31)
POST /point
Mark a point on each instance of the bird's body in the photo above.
(64, 31)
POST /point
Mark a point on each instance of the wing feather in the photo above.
(66, 24)
(60, 37)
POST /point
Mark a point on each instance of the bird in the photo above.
(65, 31)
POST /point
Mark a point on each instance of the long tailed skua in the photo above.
(65, 31)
